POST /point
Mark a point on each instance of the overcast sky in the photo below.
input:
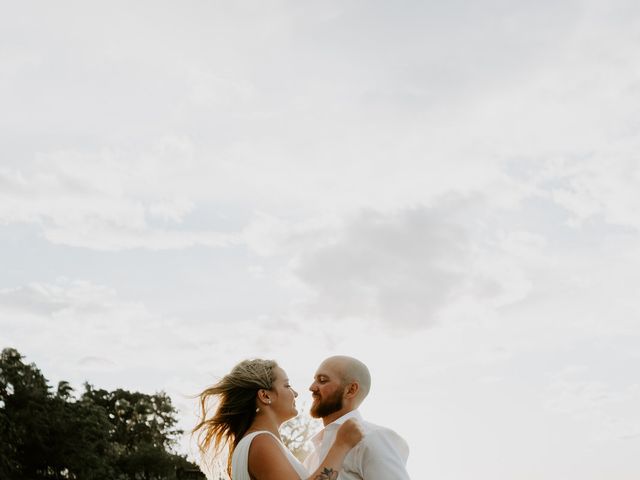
(446, 190)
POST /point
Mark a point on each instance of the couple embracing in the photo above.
(255, 398)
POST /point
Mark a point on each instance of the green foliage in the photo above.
(102, 435)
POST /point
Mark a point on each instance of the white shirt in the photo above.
(381, 455)
(240, 458)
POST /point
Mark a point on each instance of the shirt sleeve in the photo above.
(382, 455)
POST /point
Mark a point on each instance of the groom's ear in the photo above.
(351, 390)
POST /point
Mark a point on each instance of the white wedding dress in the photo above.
(240, 459)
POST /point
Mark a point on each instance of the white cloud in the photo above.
(605, 184)
(35, 297)
(79, 331)
(609, 413)
(85, 331)
(109, 200)
(102, 236)
(402, 267)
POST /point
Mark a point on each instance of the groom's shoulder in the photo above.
(379, 435)
(373, 430)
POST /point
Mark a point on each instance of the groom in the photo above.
(340, 385)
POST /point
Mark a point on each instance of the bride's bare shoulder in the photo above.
(267, 461)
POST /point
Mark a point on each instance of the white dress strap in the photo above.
(240, 458)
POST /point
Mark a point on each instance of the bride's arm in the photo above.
(267, 461)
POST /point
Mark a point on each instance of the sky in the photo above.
(446, 190)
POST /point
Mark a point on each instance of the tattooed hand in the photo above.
(326, 474)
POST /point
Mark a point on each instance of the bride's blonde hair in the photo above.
(236, 406)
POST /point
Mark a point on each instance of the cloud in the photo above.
(107, 200)
(604, 185)
(72, 320)
(609, 412)
(107, 237)
(39, 299)
(403, 267)
(91, 330)
(93, 363)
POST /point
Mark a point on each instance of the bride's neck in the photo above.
(264, 423)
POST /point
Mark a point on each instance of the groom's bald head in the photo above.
(351, 370)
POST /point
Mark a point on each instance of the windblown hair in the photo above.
(236, 397)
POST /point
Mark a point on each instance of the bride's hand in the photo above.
(349, 433)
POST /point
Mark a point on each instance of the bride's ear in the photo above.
(263, 397)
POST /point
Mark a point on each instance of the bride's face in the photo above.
(284, 403)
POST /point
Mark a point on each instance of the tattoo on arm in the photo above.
(326, 474)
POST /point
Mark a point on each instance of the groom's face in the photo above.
(326, 405)
(327, 391)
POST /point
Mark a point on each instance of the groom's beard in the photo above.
(328, 405)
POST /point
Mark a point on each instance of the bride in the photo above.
(254, 399)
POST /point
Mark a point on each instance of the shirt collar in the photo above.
(317, 438)
(352, 414)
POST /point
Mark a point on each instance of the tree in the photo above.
(297, 432)
(24, 397)
(64, 390)
(103, 435)
(142, 432)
